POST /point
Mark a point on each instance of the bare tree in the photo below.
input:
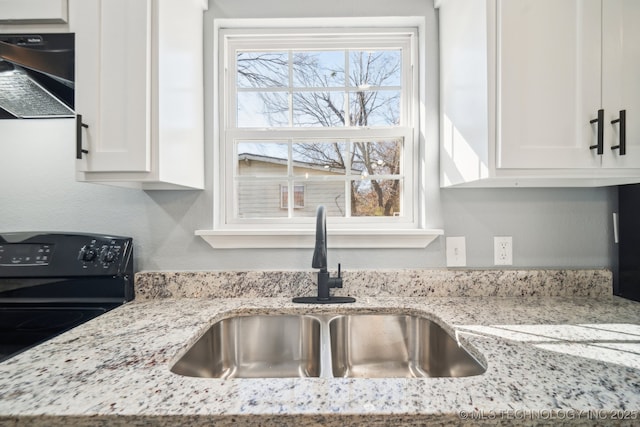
(319, 100)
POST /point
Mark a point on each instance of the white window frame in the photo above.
(372, 232)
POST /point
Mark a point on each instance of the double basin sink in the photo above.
(339, 345)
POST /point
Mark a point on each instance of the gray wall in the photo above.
(550, 227)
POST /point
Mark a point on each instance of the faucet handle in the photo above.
(336, 282)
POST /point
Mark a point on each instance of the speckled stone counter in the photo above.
(550, 360)
(379, 283)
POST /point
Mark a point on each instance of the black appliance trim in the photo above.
(51, 282)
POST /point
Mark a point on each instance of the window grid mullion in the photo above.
(347, 114)
(290, 188)
(347, 183)
(320, 89)
(290, 92)
(320, 178)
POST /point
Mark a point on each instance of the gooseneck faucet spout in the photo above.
(325, 281)
(320, 252)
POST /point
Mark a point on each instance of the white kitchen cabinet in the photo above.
(521, 82)
(621, 80)
(33, 11)
(139, 91)
(548, 66)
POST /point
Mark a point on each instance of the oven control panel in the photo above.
(64, 254)
(101, 253)
(25, 254)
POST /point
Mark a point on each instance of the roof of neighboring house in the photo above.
(297, 164)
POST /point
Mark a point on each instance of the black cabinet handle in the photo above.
(79, 126)
(600, 124)
(622, 133)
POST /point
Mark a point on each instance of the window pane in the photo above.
(319, 158)
(260, 199)
(262, 158)
(318, 109)
(327, 193)
(375, 68)
(262, 109)
(374, 108)
(262, 69)
(375, 198)
(376, 158)
(318, 69)
(298, 196)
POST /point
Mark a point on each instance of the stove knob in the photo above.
(88, 254)
(107, 256)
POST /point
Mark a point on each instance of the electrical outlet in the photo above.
(456, 252)
(503, 250)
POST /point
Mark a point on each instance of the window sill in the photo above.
(346, 239)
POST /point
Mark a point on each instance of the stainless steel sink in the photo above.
(327, 345)
(387, 345)
(255, 347)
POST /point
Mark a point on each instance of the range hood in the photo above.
(37, 75)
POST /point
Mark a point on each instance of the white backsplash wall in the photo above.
(562, 228)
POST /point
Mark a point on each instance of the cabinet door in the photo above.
(621, 80)
(113, 83)
(548, 90)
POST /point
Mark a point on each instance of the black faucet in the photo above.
(325, 281)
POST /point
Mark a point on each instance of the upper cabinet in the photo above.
(539, 92)
(33, 11)
(548, 83)
(139, 92)
(621, 82)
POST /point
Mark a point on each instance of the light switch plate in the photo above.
(456, 252)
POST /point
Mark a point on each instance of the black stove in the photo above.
(52, 282)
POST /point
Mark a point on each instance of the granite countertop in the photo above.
(549, 359)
